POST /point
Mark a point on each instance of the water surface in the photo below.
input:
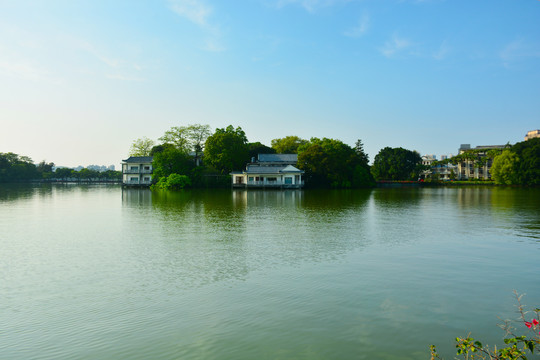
(94, 272)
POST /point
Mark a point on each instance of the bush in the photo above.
(518, 347)
(172, 182)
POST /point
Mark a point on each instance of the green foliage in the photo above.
(505, 167)
(63, 173)
(187, 138)
(227, 149)
(172, 182)
(168, 160)
(15, 168)
(528, 167)
(257, 148)
(141, 147)
(518, 347)
(331, 163)
(397, 164)
(288, 144)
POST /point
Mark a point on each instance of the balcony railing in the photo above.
(139, 171)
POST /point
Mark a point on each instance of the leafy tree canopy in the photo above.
(332, 163)
(168, 160)
(396, 164)
(16, 168)
(288, 144)
(505, 167)
(227, 149)
(187, 138)
(257, 148)
(141, 147)
(527, 168)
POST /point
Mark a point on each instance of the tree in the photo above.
(257, 148)
(505, 168)
(178, 137)
(187, 138)
(171, 160)
(197, 135)
(396, 164)
(45, 169)
(227, 149)
(288, 144)
(141, 147)
(359, 149)
(16, 168)
(331, 163)
(528, 169)
(63, 173)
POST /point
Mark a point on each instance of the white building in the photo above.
(446, 171)
(270, 171)
(137, 171)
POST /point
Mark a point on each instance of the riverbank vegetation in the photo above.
(17, 168)
(207, 158)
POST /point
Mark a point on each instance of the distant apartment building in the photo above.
(479, 165)
(532, 134)
(137, 171)
(445, 171)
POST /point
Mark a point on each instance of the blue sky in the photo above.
(80, 80)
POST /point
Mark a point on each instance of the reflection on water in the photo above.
(227, 234)
(92, 272)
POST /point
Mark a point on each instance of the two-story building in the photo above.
(270, 171)
(137, 171)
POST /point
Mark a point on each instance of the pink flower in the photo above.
(528, 324)
(535, 322)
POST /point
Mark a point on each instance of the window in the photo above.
(288, 181)
(134, 168)
(250, 178)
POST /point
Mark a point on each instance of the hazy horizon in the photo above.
(82, 80)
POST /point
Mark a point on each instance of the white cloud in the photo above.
(194, 10)
(309, 5)
(442, 52)
(395, 45)
(23, 70)
(213, 45)
(200, 13)
(360, 29)
(124, 78)
(109, 61)
(519, 49)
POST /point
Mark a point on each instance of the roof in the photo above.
(286, 158)
(490, 147)
(272, 170)
(139, 159)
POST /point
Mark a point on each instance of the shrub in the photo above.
(518, 347)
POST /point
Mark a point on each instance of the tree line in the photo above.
(17, 168)
(204, 159)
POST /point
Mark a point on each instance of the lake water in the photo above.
(98, 272)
